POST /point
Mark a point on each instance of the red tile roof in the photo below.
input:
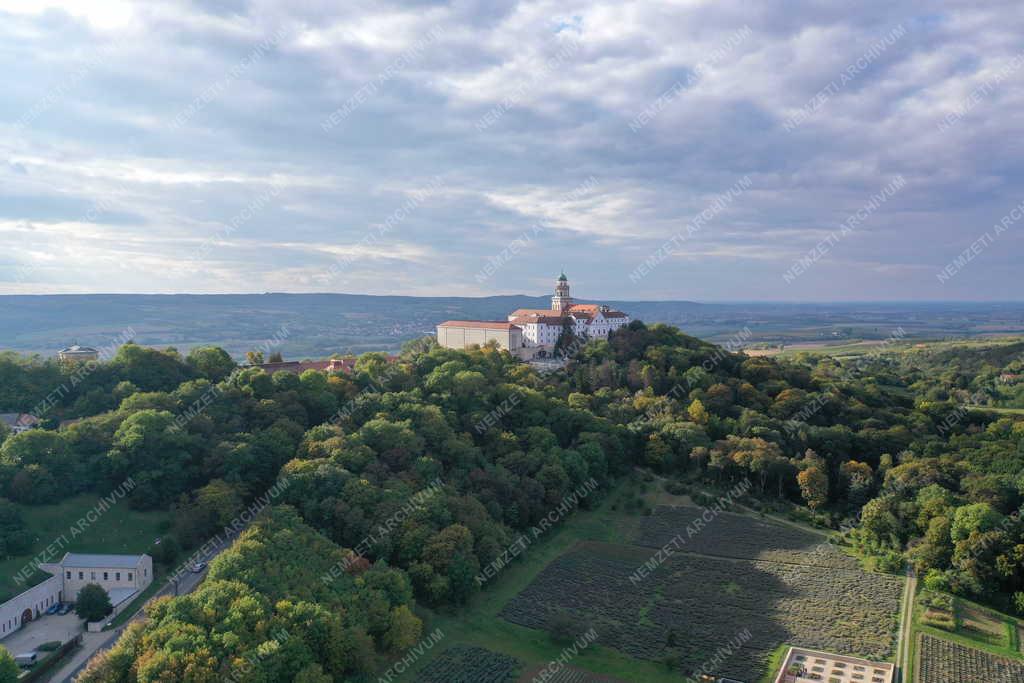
(328, 365)
(543, 319)
(520, 312)
(295, 366)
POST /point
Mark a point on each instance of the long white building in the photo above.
(531, 332)
(122, 576)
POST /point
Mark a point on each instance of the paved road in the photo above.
(906, 621)
(94, 643)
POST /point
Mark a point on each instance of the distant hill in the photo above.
(997, 356)
(320, 324)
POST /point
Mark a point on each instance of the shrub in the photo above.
(939, 601)
(563, 627)
(890, 562)
(9, 671)
(49, 646)
(937, 580)
(167, 550)
(942, 620)
(676, 488)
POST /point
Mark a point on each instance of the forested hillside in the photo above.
(406, 481)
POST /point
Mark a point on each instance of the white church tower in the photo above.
(561, 300)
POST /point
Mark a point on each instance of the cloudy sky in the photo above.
(702, 150)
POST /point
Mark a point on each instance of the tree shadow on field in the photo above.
(722, 613)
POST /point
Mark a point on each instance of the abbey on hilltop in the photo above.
(533, 332)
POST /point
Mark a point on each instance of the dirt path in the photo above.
(906, 621)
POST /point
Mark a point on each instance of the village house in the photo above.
(298, 367)
(77, 354)
(19, 422)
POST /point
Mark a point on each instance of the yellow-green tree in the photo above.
(813, 487)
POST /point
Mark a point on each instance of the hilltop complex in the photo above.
(533, 332)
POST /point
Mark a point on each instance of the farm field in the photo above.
(737, 536)
(568, 674)
(734, 577)
(478, 624)
(741, 581)
(117, 530)
(691, 605)
(942, 661)
(971, 626)
(465, 664)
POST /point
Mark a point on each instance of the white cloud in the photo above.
(104, 137)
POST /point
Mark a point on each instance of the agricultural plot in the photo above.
(753, 586)
(569, 674)
(465, 664)
(942, 661)
(739, 536)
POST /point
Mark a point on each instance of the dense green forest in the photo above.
(405, 481)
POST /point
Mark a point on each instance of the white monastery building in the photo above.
(530, 332)
(122, 576)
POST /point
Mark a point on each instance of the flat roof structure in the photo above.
(812, 666)
(119, 595)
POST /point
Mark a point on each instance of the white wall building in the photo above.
(28, 605)
(542, 327)
(528, 331)
(463, 334)
(122, 576)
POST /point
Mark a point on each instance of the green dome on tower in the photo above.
(562, 277)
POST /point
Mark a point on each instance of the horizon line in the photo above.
(534, 296)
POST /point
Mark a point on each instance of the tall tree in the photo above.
(93, 603)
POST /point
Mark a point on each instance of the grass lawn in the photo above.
(1007, 411)
(117, 530)
(775, 663)
(478, 623)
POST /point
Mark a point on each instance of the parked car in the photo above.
(26, 660)
(65, 608)
(198, 567)
(53, 608)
